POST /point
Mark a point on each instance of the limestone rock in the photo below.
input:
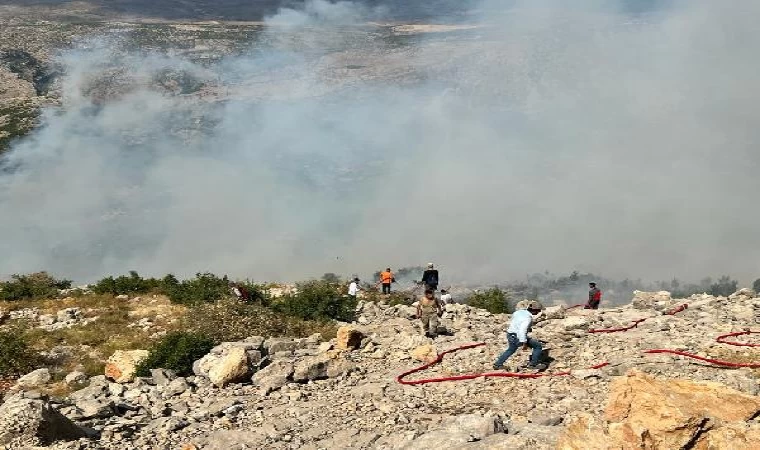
(273, 376)
(319, 367)
(734, 436)
(743, 292)
(229, 368)
(348, 338)
(34, 379)
(75, 378)
(644, 412)
(26, 421)
(229, 362)
(121, 366)
(457, 431)
(425, 353)
(651, 300)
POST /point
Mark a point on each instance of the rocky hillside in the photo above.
(311, 393)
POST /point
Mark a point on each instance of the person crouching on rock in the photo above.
(517, 336)
(428, 310)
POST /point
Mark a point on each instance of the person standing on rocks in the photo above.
(386, 278)
(428, 311)
(446, 297)
(430, 278)
(594, 297)
(353, 288)
(517, 336)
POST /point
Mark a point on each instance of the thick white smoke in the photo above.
(549, 138)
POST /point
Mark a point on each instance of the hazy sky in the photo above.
(551, 138)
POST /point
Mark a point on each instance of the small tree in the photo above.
(725, 286)
(756, 285)
(493, 300)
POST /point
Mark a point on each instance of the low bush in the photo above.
(176, 351)
(204, 288)
(128, 284)
(317, 300)
(493, 300)
(208, 288)
(16, 355)
(232, 320)
(33, 286)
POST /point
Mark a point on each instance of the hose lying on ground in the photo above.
(500, 374)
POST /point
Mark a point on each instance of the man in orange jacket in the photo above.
(386, 278)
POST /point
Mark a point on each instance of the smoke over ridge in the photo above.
(550, 137)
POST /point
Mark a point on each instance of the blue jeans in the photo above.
(514, 344)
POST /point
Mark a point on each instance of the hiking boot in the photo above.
(538, 367)
(495, 367)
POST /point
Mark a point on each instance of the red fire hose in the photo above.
(469, 376)
(722, 338)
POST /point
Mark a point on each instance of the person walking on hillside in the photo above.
(428, 311)
(446, 297)
(353, 288)
(517, 336)
(430, 278)
(386, 278)
(594, 297)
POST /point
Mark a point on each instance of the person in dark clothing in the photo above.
(594, 297)
(430, 278)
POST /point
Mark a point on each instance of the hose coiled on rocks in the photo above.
(469, 376)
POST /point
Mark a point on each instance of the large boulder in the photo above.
(229, 362)
(651, 300)
(743, 293)
(320, 367)
(34, 379)
(25, 422)
(122, 365)
(273, 376)
(230, 367)
(75, 378)
(647, 413)
(348, 338)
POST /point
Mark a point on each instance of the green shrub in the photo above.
(16, 356)
(127, 284)
(493, 300)
(176, 351)
(204, 288)
(232, 320)
(34, 286)
(317, 300)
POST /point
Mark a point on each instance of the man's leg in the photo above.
(433, 325)
(514, 344)
(535, 356)
(425, 322)
(386, 288)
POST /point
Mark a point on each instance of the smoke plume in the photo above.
(616, 140)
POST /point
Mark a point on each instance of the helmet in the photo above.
(430, 265)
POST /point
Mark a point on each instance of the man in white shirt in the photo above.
(446, 297)
(353, 288)
(517, 335)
